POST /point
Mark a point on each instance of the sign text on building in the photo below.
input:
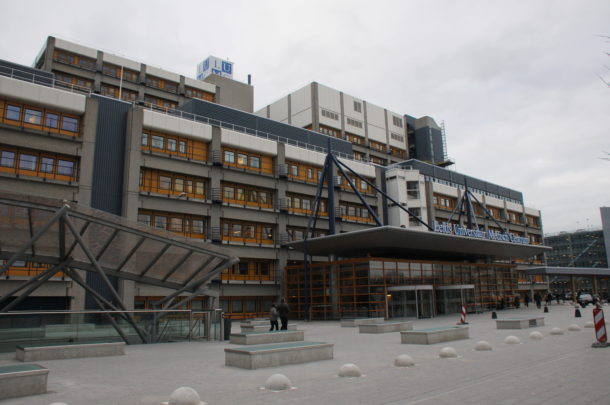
(455, 229)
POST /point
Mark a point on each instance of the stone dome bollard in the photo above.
(404, 360)
(589, 324)
(556, 331)
(184, 396)
(278, 382)
(536, 335)
(573, 328)
(447, 352)
(482, 346)
(512, 340)
(349, 370)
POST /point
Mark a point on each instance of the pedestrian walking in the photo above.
(538, 300)
(527, 300)
(517, 304)
(273, 317)
(283, 311)
(549, 298)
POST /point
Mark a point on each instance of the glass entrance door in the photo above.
(413, 303)
(425, 305)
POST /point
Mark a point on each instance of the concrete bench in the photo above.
(435, 335)
(251, 322)
(353, 322)
(253, 357)
(245, 328)
(259, 338)
(19, 380)
(69, 351)
(385, 327)
(519, 323)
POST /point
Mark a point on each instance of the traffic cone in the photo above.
(493, 315)
(546, 309)
(462, 320)
(577, 313)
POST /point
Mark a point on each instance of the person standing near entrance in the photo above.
(283, 311)
(273, 317)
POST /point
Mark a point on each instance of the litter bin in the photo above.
(227, 328)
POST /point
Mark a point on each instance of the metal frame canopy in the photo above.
(402, 242)
(68, 236)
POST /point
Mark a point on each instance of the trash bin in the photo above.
(227, 328)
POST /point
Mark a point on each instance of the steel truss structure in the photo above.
(69, 238)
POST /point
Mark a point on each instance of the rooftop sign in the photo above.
(216, 66)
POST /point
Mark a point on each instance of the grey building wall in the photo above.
(232, 93)
(605, 214)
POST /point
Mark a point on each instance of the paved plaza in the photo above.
(559, 369)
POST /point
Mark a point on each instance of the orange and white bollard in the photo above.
(462, 320)
(600, 327)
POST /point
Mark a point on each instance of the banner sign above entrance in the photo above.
(455, 229)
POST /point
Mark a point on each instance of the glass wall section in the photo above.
(379, 287)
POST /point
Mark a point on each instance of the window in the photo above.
(201, 94)
(144, 139)
(69, 124)
(175, 224)
(255, 162)
(397, 121)
(160, 222)
(165, 183)
(242, 159)
(354, 123)
(179, 185)
(51, 120)
(182, 146)
(27, 162)
(229, 156)
(13, 112)
(47, 165)
(33, 117)
(397, 137)
(412, 189)
(228, 193)
(158, 142)
(330, 114)
(357, 106)
(171, 144)
(7, 159)
(294, 170)
(246, 232)
(65, 167)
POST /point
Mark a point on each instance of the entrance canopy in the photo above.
(567, 271)
(390, 241)
(66, 235)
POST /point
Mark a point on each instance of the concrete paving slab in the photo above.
(561, 369)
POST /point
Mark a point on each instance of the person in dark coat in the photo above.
(283, 310)
(527, 300)
(538, 300)
(273, 317)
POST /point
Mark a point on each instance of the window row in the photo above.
(172, 183)
(120, 93)
(157, 102)
(39, 164)
(38, 118)
(191, 226)
(246, 232)
(397, 137)
(295, 233)
(82, 62)
(174, 145)
(247, 160)
(247, 195)
(330, 114)
(303, 204)
(443, 202)
(335, 133)
(303, 172)
(361, 185)
(359, 140)
(246, 307)
(354, 212)
(250, 269)
(115, 71)
(354, 123)
(377, 145)
(21, 268)
(161, 84)
(72, 82)
(400, 153)
(200, 94)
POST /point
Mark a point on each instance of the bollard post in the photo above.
(494, 315)
(546, 309)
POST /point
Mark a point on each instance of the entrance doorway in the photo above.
(450, 298)
(412, 301)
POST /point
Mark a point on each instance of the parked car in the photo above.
(584, 299)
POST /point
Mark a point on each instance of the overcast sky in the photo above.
(516, 82)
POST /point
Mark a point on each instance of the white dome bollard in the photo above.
(278, 382)
(573, 328)
(184, 396)
(589, 324)
(447, 352)
(556, 331)
(536, 335)
(349, 370)
(404, 360)
(512, 340)
(482, 346)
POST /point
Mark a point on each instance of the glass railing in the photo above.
(134, 327)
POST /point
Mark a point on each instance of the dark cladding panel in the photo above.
(25, 73)
(108, 162)
(227, 117)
